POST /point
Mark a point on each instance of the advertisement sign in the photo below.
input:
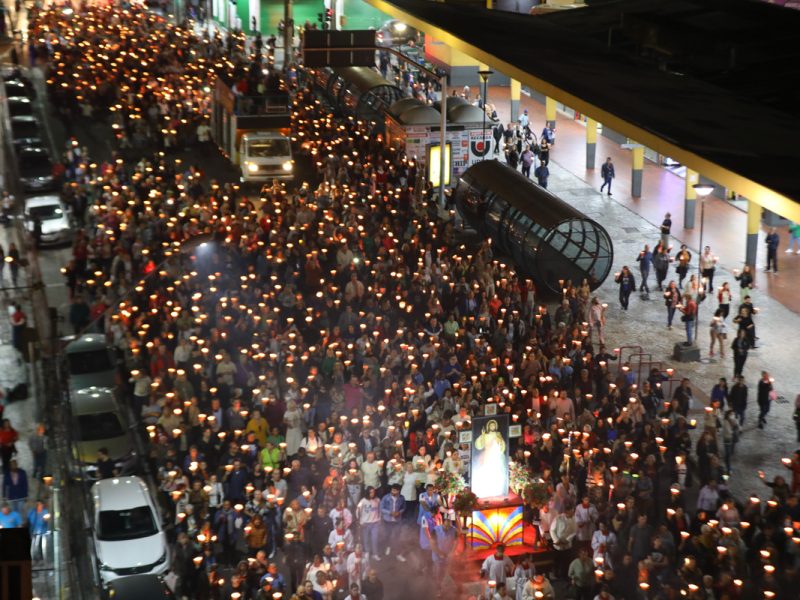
(489, 459)
(435, 164)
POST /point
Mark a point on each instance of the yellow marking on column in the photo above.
(753, 217)
(516, 89)
(691, 179)
(550, 109)
(638, 158)
(591, 131)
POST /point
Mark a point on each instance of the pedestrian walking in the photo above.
(13, 263)
(689, 310)
(683, 258)
(38, 527)
(597, 320)
(645, 260)
(626, 285)
(744, 320)
(764, 398)
(8, 440)
(392, 507)
(666, 229)
(15, 487)
(794, 238)
(738, 398)
(718, 332)
(607, 173)
(548, 134)
(38, 445)
(745, 279)
(772, 241)
(542, 174)
(497, 134)
(724, 297)
(18, 324)
(527, 160)
(797, 416)
(544, 152)
(740, 347)
(708, 264)
(672, 298)
(661, 264)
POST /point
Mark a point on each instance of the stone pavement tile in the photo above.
(645, 324)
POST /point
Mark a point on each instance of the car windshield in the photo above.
(100, 426)
(268, 148)
(36, 163)
(24, 129)
(92, 361)
(44, 213)
(128, 524)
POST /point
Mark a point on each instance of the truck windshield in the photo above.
(268, 148)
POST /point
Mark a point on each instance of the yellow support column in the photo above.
(690, 199)
(550, 112)
(591, 142)
(516, 90)
(753, 228)
(489, 5)
(637, 164)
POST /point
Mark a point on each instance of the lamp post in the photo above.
(702, 190)
(484, 74)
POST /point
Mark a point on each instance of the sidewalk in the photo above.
(662, 191)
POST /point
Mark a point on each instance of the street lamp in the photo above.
(702, 190)
(484, 74)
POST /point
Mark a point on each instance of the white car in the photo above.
(54, 217)
(128, 536)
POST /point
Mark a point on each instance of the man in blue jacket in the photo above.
(15, 487)
(393, 505)
(772, 250)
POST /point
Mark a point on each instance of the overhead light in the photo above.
(703, 189)
(400, 27)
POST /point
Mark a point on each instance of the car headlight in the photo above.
(287, 166)
(163, 558)
(252, 167)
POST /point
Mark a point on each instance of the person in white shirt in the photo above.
(586, 516)
(563, 531)
(371, 471)
(497, 567)
(603, 545)
(368, 513)
(342, 536)
(357, 565)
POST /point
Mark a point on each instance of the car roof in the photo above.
(120, 493)
(93, 400)
(24, 119)
(137, 587)
(89, 341)
(50, 201)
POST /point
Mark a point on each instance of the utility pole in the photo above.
(288, 32)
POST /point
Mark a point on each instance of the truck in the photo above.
(254, 133)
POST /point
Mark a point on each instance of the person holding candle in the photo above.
(683, 258)
(746, 281)
(645, 260)
(689, 310)
(764, 398)
(708, 265)
(672, 298)
(626, 284)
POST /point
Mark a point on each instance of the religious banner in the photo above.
(489, 459)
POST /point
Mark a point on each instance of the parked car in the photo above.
(36, 170)
(136, 587)
(19, 106)
(91, 362)
(55, 220)
(127, 531)
(25, 131)
(19, 87)
(98, 422)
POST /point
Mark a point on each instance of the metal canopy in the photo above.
(735, 138)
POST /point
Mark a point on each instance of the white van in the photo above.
(265, 155)
(128, 536)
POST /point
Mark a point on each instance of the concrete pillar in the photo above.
(753, 227)
(591, 142)
(690, 200)
(550, 112)
(516, 89)
(637, 164)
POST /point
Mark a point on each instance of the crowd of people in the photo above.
(301, 364)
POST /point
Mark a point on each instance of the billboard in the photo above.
(489, 459)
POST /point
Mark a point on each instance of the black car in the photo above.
(25, 131)
(35, 169)
(139, 587)
(19, 106)
(18, 87)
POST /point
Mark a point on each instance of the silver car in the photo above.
(53, 216)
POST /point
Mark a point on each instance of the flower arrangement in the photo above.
(465, 502)
(536, 493)
(449, 484)
(519, 477)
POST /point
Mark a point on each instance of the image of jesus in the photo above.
(491, 463)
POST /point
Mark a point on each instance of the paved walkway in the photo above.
(645, 324)
(662, 192)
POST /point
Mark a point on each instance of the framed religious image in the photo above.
(490, 409)
(515, 431)
(464, 437)
(489, 457)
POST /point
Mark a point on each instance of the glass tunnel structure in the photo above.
(549, 240)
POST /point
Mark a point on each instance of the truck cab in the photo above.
(265, 155)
